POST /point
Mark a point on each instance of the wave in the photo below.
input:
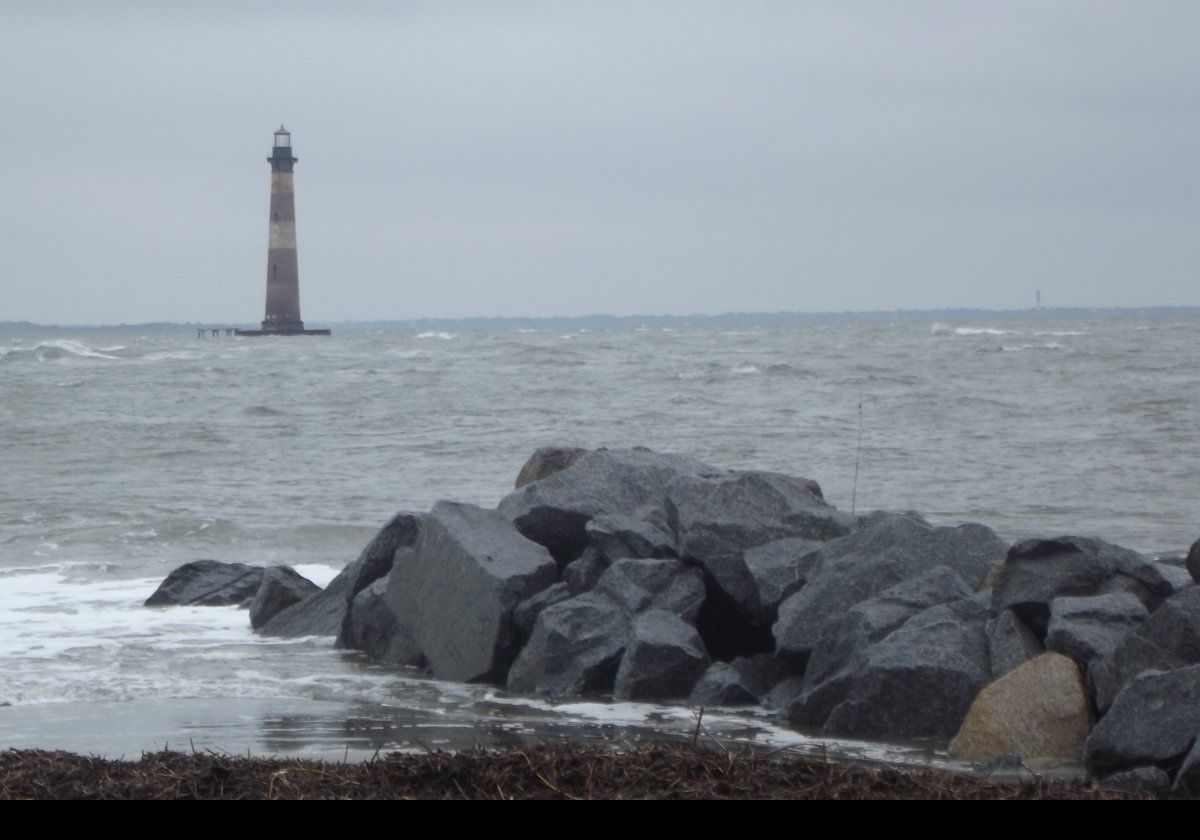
(981, 331)
(443, 336)
(1019, 348)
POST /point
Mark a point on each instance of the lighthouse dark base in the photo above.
(300, 331)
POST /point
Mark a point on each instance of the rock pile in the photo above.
(648, 576)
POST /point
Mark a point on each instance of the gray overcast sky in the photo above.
(565, 158)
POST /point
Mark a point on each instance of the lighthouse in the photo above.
(283, 269)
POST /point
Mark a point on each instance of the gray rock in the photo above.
(455, 591)
(778, 569)
(664, 661)
(1187, 779)
(281, 587)
(919, 681)
(1168, 639)
(1090, 627)
(862, 565)
(747, 680)
(718, 518)
(1011, 643)
(1154, 720)
(546, 461)
(324, 613)
(840, 655)
(784, 694)
(525, 614)
(1038, 571)
(1193, 561)
(1151, 780)
(640, 585)
(371, 626)
(554, 511)
(574, 649)
(207, 583)
(644, 535)
(583, 574)
(722, 685)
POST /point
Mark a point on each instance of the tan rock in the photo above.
(1038, 711)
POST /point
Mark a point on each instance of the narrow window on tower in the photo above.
(274, 269)
(275, 216)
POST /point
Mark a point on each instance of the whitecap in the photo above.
(746, 370)
(444, 336)
(981, 331)
(65, 348)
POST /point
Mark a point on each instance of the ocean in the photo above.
(128, 453)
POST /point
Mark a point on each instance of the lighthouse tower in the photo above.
(283, 271)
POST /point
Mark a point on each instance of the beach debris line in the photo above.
(640, 575)
(568, 771)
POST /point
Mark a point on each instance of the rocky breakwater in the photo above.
(640, 575)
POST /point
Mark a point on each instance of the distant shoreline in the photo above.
(900, 316)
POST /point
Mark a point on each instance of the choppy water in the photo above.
(125, 455)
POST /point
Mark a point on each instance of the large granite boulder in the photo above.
(1039, 711)
(1187, 779)
(919, 681)
(718, 517)
(574, 650)
(778, 569)
(645, 534)
(324, 613)
(371, 627)
(1168, 639)
(554, 512)
(640, 585)
(525, 614)
(1040, 570)
(1154, 721)
(840, 655)
(664, 660)
(857, 567)
(547, 460)
(281, 587)
(747, 680)
(455, 591)
(1089, 627)
(722, 685)
(577, 644)
(1011, 643)
(207, 583)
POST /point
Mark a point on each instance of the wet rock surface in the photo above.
(644, 576)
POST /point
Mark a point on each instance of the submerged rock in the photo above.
(207, 583)
(324, 613)
(281, 587)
